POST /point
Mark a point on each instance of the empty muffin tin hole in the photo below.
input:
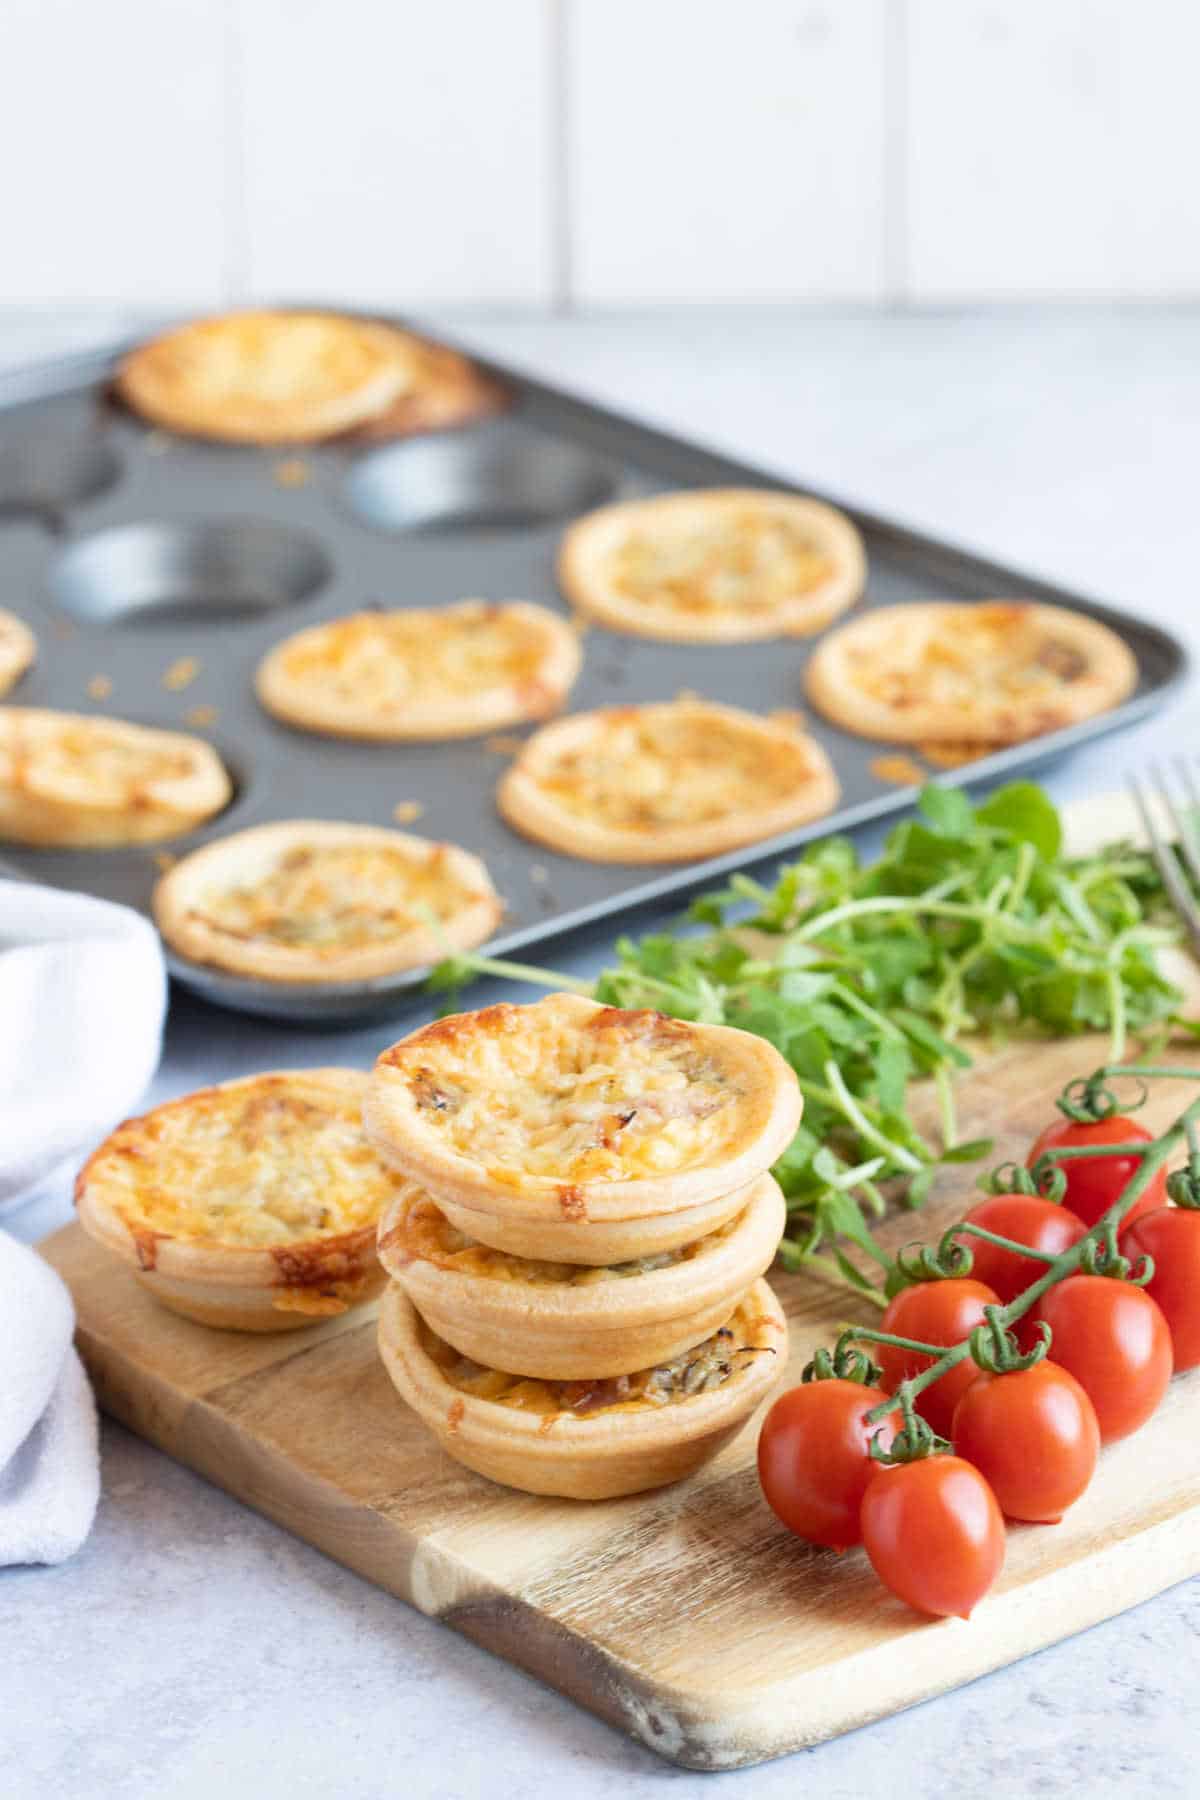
(203, 569)
(45, 476)
(497, 477)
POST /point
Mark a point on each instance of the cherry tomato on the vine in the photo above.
(1094, 1182)
(1171, 1235)
(1033, 1435)
(934, 1534)
(813, 1458)
(936, 1312)
(1027, 1220)
(1114, 1340)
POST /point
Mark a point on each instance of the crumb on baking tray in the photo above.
(952, 756)
(100, 687)
(503, 744)
(903, 771)
(405, 812)
(181, 673)
(292, 472)
(200, 716)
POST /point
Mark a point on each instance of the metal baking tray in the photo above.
(128, 550)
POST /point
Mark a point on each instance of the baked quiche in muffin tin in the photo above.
(422, 673)
(314, 900)
(667, 782)
(995, 672)
(76, 780)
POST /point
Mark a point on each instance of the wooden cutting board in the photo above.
(687, 1617)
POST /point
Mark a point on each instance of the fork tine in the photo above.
(1181, 824)
(1186, 821)
(1164, 857)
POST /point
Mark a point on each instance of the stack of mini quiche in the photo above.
(576, 1304)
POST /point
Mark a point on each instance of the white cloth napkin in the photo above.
(49, 1463)
(82, 999)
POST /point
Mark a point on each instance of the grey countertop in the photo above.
(191, 1648)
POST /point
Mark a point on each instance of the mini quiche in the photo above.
(68, 779)
(714, 566)
(562, 1321)
(588, 1439)
(567, 1111)
(446, 390)
(665, 782)
(311, 900)
(18, 647)
(988, 672)
(267, 377)
(422, 673)
(253, 1206)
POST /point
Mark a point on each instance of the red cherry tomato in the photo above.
(813, 1459)
(1033, 1436)
(1027, 1220)
(1094, 1182)
(1114, 1340)
(934, 1534)
(936, 1312)
(1172, 1237)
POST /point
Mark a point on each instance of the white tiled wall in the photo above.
(583, 153)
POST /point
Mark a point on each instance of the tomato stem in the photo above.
(1092, 1250)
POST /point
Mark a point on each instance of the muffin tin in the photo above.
(156, 571)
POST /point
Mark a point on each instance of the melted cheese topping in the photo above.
(968, 656)
(272, 1161)
(751, 560)
(265, 359)
(382, 661)
(652, 766)
(113, 762)
(428, 1236)
(338, 896)
(625, 1095)
(697, 1371)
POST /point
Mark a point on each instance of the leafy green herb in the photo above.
(866, 977)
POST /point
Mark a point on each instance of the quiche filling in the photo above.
(264, 1165)
(751, 561)
(385, 660)
(625, 1095)
(338, 897)
(264, 359)
(113, 765)
(697, 1371)
(996, 650)
(650, 767)
(429, 1236)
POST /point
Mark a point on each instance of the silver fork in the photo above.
(1154, 793)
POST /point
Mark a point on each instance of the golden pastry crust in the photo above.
(582, 1440)
(422, 673)
(317, 901)
(588, 1241)
(988, 672)
(267, 377)
(18, 648)
(566, 1322)
(565, 1110)
(447, 391)
(70, 779)
(665, 782)
(253, 1205)
(714, 566)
